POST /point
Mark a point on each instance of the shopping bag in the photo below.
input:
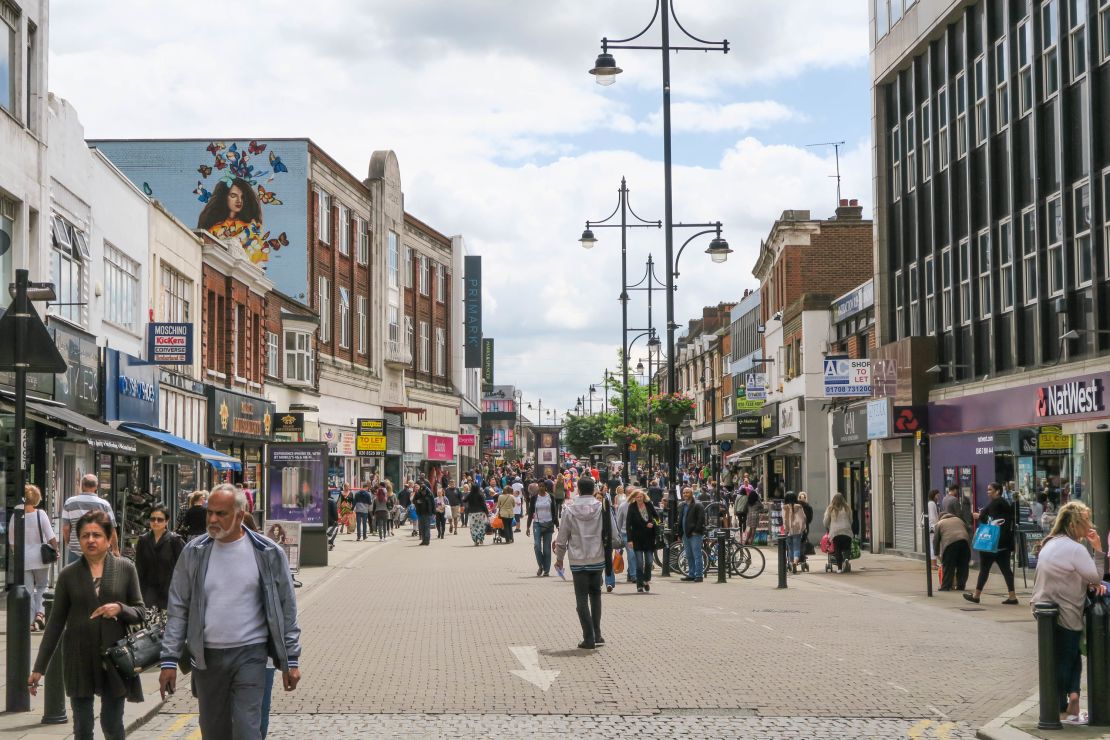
(854, 555)
(940, 575)
(826, 544)
(618, 562)
(497, 523)
(987, 537)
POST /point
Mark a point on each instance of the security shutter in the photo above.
(902, 491)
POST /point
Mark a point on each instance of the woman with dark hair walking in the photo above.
(1000, 512)
(155, 557)
(641, 522)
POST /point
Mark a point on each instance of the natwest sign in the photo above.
(1067, 399)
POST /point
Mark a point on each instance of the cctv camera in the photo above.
(777, 316)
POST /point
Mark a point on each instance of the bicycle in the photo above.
(741, 560)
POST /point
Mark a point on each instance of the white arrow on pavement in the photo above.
(529, 657)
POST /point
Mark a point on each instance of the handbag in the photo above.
(854, 554)
(618, 562)
(139, 650)
(49, 554)
(987, 536)
(826, 544)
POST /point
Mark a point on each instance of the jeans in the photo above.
(1069, 664)
(630, 561)
(954, 560)
(642, 559)
(264, 727)
(230, 691)
(541, 541)
(1002, 558)
(381, 523)
(507, 528)
(37, 580)
(692, 545)
(424, 524)
(362, 524)
(794, 547)
(111, 717)
(587, 597)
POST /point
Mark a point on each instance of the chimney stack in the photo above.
(849, 210)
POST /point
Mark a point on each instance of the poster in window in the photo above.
(287, 535)
(298, 479)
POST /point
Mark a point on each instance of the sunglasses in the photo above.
(158, 519)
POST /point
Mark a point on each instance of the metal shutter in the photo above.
(902, 491)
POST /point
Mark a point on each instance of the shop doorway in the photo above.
(854, 481)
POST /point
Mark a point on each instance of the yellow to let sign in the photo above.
(1053, 441)
(370, 443)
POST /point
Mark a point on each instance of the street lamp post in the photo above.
(587, 241)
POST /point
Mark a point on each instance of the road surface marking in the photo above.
(944, 729)
(900, 688)
(918, 730)
(181, 722)
(529, 657)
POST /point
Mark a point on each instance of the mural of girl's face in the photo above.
(234, 200)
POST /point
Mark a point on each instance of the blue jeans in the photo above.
(794, 546)
(265, 725)
(630, 559)
(362, 524)
(642, 560)
(692, 545)
(541, 541)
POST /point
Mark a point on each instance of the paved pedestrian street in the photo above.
(459, 641)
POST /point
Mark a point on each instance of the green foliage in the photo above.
(582, 432)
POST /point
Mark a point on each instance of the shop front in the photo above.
(239, 426)
(439, 455)
(1045, 441)
(183, 415)
(852, 460)
(343, 463)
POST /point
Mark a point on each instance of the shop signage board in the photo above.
(878, 418)
(857, 300)
(79, 387)
(755, 386)
(467, 440)
(1052, 442)
(487, 362)
(239, 417)
(749, 427)
(370, 438)
(769, 420)
(439, 448)
(133, 394)
(169, 343)
(472, 310)
(291, 422)
(790, 416)
(850, 426)
(847, 377)
(744, 403)
(910, 419)
(298, 479)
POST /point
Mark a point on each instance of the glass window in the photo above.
(298, 357)
(914, 300)
(177, 293)
(425, 347)
(980, 100)
(1106, 217)
(323, 216)
(323, 302)
(121, 287)
(942, 129)
(363, 326)
(965, 281)
(1084, 253)
(344, 318)
(1001, 87)
(8, 210)
(363, 236)
(410, 334)
(911, 153)
(882, 18)
(1054, 223)
(394, 330)
(946, 287)
(1025, 66)
(441, 283)
(9, 58)
(424, 269)
(408, 267)
(1029, 254)
(930, 298)
(393, 257)
(344, 230)
(896, 158)
(961, 115)
(1050, 35)
(899, 306)
(1077, 37)
(983, 249)
(441, 352)
(1006, 260)
(1104, 29)
(68, 270)
(926, 143)
(272, 350)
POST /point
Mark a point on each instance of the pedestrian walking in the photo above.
(794, 524)
(934, 517)
(96, 599)
(1066, 572)
(364, 505)
(558, 490)
(192, 519)
(505, 507)
(346, 504)
(807, 548)
(454, 500)
(692, 527)
(838, 525)
(477, 515)
(541, 527)
(381, 512)
(621, 540)
(518, 505)
(999, 511)
(441, 509)
(423, 503)
(232, 602)
(581, 532)
(77, 506)
(36, 533)
(156, 554)
(642, 521)
(952, 542)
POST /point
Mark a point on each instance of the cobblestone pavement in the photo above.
(415, 642)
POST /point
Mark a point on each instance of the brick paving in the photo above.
(414, 642)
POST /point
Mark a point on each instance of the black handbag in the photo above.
(49, 554)
(141, 649)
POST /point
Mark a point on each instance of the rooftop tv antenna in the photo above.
(836, 150)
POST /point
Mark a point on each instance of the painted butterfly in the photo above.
(267, 197)
(201, 192)
(277, 164)
(216, 147)
(278, 243)
(256, 148)
(147, 190)
(220, 163)
(204, 170)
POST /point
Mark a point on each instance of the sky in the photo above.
(503, 137)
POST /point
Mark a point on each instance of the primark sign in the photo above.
(1068, 399)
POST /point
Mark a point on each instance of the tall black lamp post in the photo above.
(25, 346)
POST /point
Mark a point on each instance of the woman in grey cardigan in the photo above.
(95, 599)
(838, 523)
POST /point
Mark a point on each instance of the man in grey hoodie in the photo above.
(582, 530)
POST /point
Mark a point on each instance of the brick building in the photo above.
(702, 354)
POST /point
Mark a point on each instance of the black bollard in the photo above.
(1098, 670)
(1046, 614)
(782, 562)
(665, 568)
(54, 691)
(721, 556)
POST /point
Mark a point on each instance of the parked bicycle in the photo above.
(741, 560)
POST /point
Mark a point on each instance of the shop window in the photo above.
(272, 351)
(983, 248)
(946, 314)
(69, 270)
(981, 124)
(961, 115)
(344, 230)
(1025, 66)
(1050, 56)
(121, 288)
(1029, 254)
(1054, 223)
(965, 281)
(1001, 86)
(1077, 38)
(942, 129)
(298, 357)
(930, 298)
(1006, 261)
(1081, 224)
(393, 257)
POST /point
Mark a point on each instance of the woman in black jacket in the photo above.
(195, 519)
(477, 514)
(155, 556)
(998, 510)
(641, 523)
(96, 597)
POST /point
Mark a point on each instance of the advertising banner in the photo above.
(439, 448)
(298, 481)
(288, 535)
(845, 377)
(371, 438)
(169, 343)
(755, 386)
(487, 362)
(472, 310)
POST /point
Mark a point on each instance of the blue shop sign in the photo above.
(132, 389)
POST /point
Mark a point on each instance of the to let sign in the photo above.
(845, 377)
(371, 439)
(170, 343)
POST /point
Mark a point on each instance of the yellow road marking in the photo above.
(944, 729)
(918, 730)
(194, 735)
(181, 722)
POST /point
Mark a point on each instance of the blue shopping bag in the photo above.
(987, 537)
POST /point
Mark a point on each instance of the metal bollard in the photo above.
(721, 557)
(54, 692)
(665, 568)
(1046, 614)
(1098, 665)
(782, 562)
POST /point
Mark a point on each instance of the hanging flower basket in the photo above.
(625, 434)
(649, 440)
(672, 408)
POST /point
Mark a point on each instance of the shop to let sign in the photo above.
(846, 377)
(370, 440)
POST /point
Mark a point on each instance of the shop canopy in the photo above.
(99, 436)
(762, 448)
(216, 459)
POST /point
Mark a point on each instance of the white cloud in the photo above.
(490, 110)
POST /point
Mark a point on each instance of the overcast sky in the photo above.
(503, 137)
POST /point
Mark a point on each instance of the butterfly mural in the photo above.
(267, 197)
(220, 162)
(277, 164)
(204, 170)
(256, 148)
(201, 192)
(278, 243)
(147, 189)
(216, 147)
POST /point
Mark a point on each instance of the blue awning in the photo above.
(217, 460)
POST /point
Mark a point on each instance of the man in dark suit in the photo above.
(692, 525)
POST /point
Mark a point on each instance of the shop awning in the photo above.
(762, 448)
(99, 436)
(216, 459)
